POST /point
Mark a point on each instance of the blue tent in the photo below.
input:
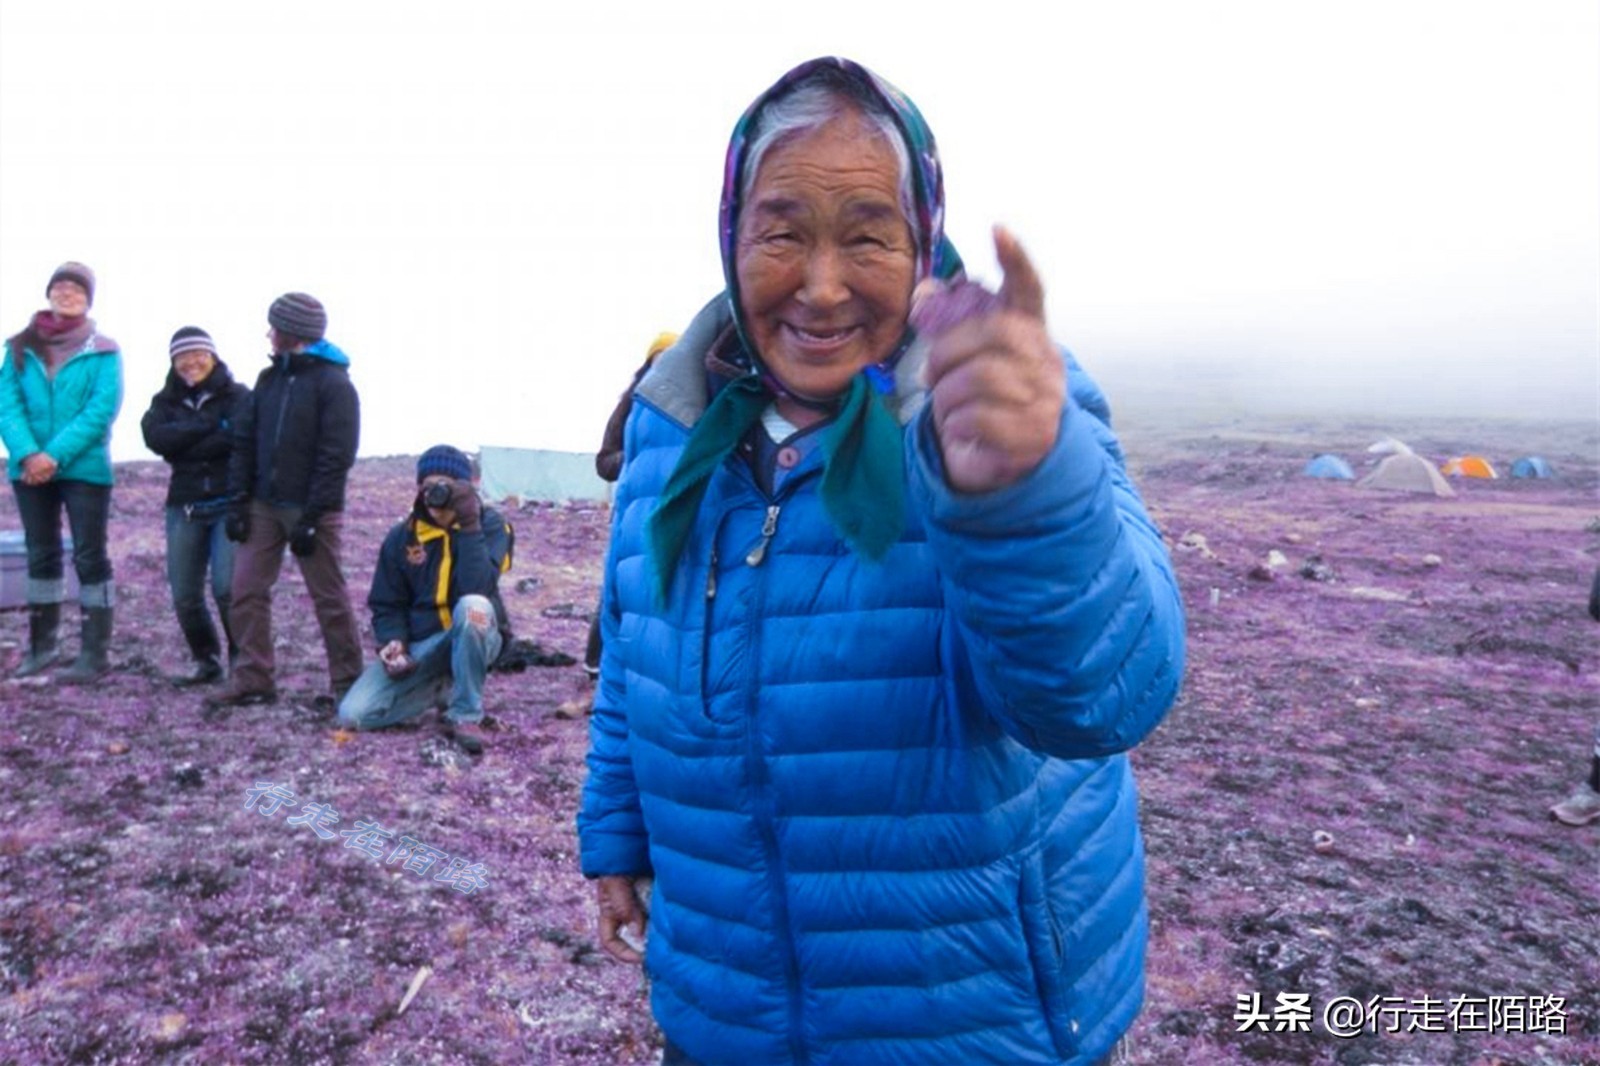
(1331, 467)
(1531, 466)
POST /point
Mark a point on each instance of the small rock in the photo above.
(1196, 542)
(1314, 569)
(1293, 538)
(1322, 841)
(572, 710)
(117, 747)
(527, 584)
(1262, 572)
(1367, 592)
(1432, 560)
(1276, 560)
(188, 775)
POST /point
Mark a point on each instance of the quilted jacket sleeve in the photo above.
(1065, 603)
(14, 428)
(391, 594)
(338, 435)
(611, 829)
(242, 455)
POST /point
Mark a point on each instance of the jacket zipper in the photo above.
(277, 430)
(765, 813)
(758, 554)
(756, 767)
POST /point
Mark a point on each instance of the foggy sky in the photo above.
(1390, 206)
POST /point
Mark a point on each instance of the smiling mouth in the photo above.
(821, 338)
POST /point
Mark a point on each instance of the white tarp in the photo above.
(535, 474)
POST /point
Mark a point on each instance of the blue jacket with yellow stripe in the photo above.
(423, 570)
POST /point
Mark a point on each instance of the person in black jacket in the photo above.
(292, 454)
(436, 611)
(190, 425)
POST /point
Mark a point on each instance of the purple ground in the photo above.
(1422, 714)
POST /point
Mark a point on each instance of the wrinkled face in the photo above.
(194, 366)
(68, 299)
(825, 259)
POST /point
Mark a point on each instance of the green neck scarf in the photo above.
(863, 476)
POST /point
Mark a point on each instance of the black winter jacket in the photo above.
(297, 445)
(423, 570)
(191, 427)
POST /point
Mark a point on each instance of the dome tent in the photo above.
(1407, 472)
(1532, 466)
(1469, 466)
(1329, 467)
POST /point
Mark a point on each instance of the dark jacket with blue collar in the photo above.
(297, 442)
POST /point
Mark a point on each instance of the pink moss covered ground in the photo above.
(1416, 716)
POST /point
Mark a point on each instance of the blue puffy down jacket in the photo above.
(885, 804)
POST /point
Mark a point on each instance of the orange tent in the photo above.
(1469, 466)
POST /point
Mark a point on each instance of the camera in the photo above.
(437, 494)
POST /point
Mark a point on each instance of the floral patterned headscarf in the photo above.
(936, 256)
(862, 486)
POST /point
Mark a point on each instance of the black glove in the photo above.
(237, 524)
(303, 540)
(468, 508)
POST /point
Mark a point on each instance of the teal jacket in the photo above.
(68, 417)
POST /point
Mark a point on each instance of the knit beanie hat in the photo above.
(298, 315)
(191, 339)
(76, 272)
(443, 459)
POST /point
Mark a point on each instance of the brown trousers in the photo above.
(256, 566)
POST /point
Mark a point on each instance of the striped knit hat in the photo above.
(191, 339)
(298, 315)
(75, 272)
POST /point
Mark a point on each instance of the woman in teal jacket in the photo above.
(881, 619)
(60, 389)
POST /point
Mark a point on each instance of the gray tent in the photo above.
(1407, 472)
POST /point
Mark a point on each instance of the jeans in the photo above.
(195, 541)
(257, 563)
(456, 660)
(88, 510)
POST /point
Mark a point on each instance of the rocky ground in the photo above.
(1349, 801)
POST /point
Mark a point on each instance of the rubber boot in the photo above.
(44, 623)
(93, 657)
(202, 639)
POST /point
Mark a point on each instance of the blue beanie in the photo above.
(443, 459)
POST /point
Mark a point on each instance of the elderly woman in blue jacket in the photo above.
(60, 390)
(883, 613)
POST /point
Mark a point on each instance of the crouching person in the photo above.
(437, 617)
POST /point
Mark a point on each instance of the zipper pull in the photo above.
(711, 575)
(768, 528)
